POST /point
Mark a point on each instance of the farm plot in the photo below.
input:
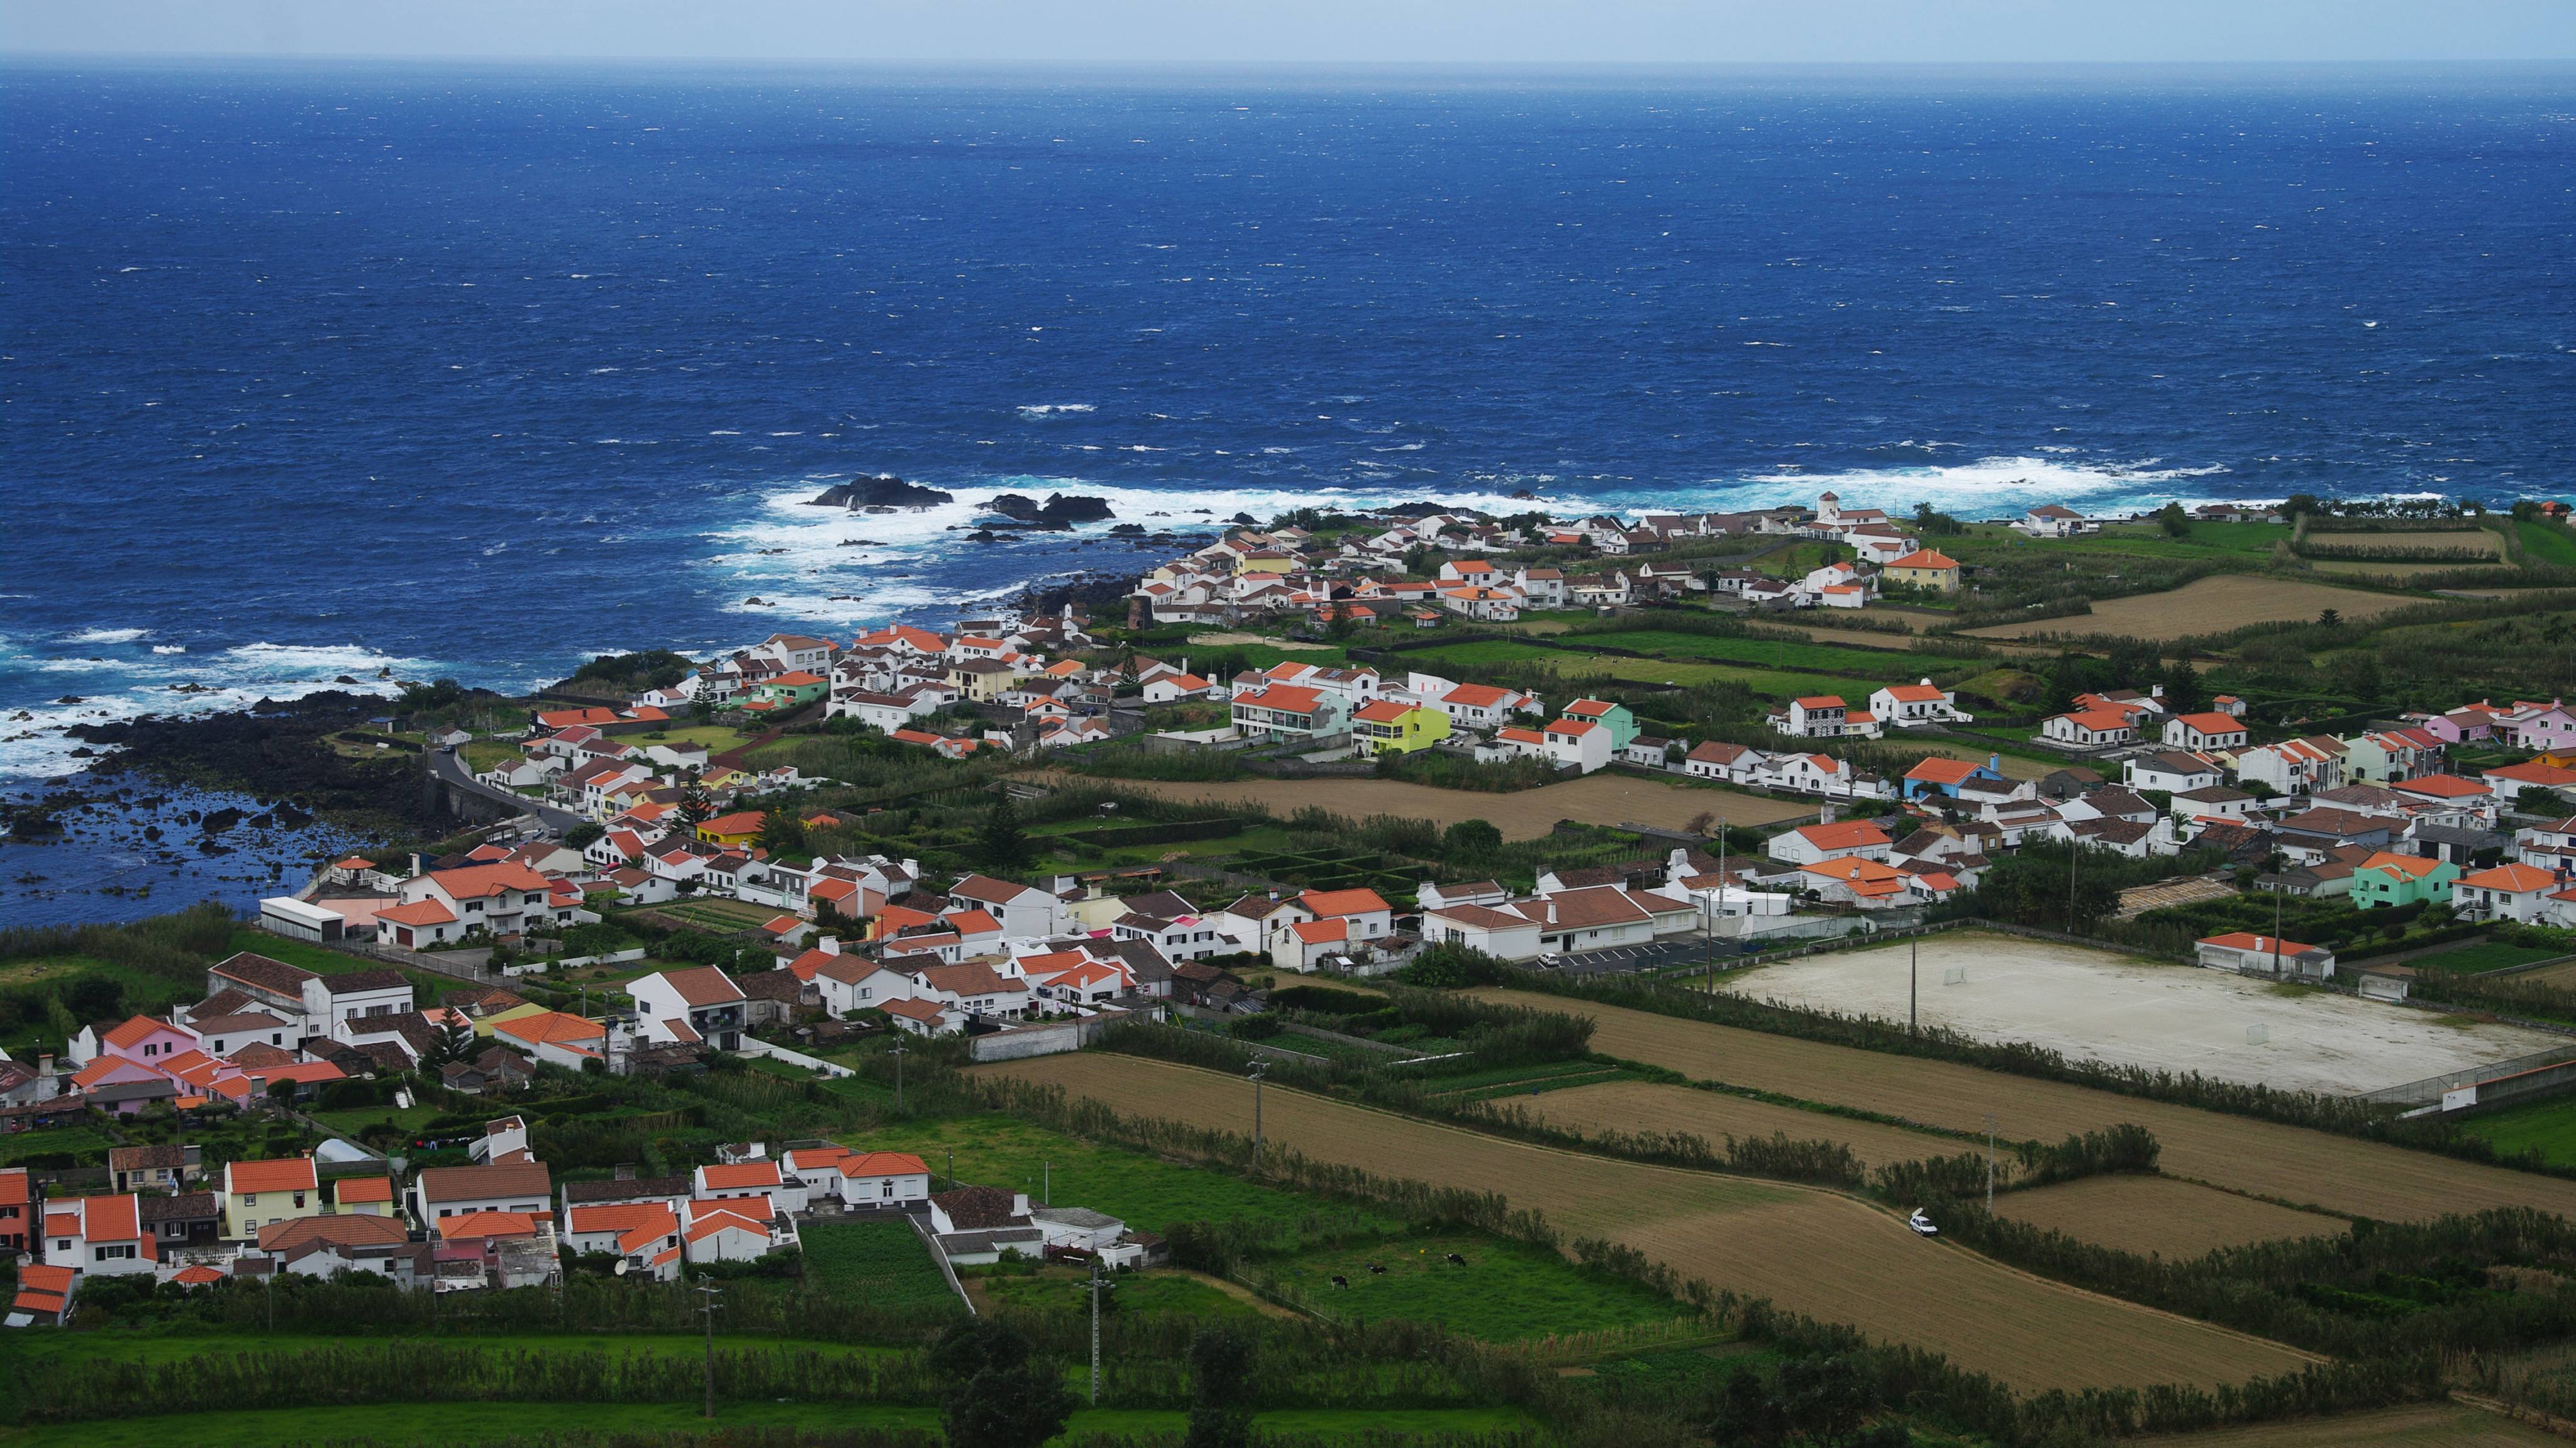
(2425, 1425)
(1501, 1292)
(1816, 1252)
(881, 1263)
(2104, 1006)
(1766, 653)
(1647, 1106)
(2464, 542)
(2209, 606)
(2287, 1163)
(2163, 1215)
(1601, 799)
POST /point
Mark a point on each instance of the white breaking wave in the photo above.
(1987, 487)
(1049, 409)
(32, 741)
(108, 636)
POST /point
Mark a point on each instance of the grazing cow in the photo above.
(1340, 1281)
(1375, 1270)
(1454, 1257)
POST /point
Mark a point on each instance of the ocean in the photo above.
(355, 371)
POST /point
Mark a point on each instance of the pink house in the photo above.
(2461, 725)
(146, 1040)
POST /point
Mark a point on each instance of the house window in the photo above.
(251, 1200)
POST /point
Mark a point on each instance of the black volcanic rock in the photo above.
(1058, 511)
(883, 492)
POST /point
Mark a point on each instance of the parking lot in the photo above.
(1620, 959)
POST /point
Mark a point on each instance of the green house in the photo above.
(790, 690)
(1613, 717)
(2393, 879)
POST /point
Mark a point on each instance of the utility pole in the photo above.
(1913, 987)
(1095, 1328)
(898, 1053)
(707, 1295)
(952, 1169)
(1046, 1183)
(2072, 850)
(1990, 1161)
(2276, 925)
(1259, 1070)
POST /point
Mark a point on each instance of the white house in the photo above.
(689, 1007)
(1815, 844)
(1578, 742)
(97, 1236)
(2205, 731)
(455, 1191)
(1024, 911)
(2090, 728)
(1915, 706)
(2052, 521)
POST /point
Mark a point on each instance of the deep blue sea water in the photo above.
(472, 372)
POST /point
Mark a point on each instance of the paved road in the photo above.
(452, 771)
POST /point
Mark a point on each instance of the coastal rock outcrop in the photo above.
(1058, 511)
(879, 492)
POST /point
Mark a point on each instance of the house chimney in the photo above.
(1825, 813)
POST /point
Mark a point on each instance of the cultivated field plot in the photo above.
(2159, 1214)
(1816, 1252)
(1602, 799)
(2103, 1006)
(882, 1263)
(1648, 1106)
(2426, 1425)
(2465, 542)
(2208, 606)
(2288, 1163)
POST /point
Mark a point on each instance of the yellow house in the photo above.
(983, 680)
(1265, 561)
(1925, 569)
(1390, 726)
(258, 1194)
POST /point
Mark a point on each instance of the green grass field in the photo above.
(882, 1263)
(2543, 543)
(154, 1346)
(2484, 955)
(1770, 653)
(2548, 1127)
(350, 1123)
(1507, 1292)
(86, 1145)
(460, 1425)
(997, 1151)
(1153, 1294)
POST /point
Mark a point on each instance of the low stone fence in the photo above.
(754, 1046)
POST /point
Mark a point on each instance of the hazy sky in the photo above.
(1703, 32)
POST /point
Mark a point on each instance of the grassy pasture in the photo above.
(2482, 956)
(1137, 1294)
(2548, 1127)
(2209, 606)
(1506, 1292)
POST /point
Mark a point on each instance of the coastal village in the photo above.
(385, 1075)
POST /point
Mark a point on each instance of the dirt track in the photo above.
(2287, 1163)
(1646, 1106)
(1602, 799)
(1817, 1252)
(2164, 1215)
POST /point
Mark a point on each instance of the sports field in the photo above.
(2102, 1005)
(1600, 799)
(2209, 606)
(1816, 1252)
(2163, 1215)
(1636, 1106)
(2287, 1163)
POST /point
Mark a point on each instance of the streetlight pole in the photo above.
(708, 1292)
(1259, 1070)
(1095, 1328)
(897, 1051)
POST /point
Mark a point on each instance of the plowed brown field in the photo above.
(1815, 1252)
(2288, 1163)
(2426, 1425)
(2163, 1215)
(1646, 1106)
